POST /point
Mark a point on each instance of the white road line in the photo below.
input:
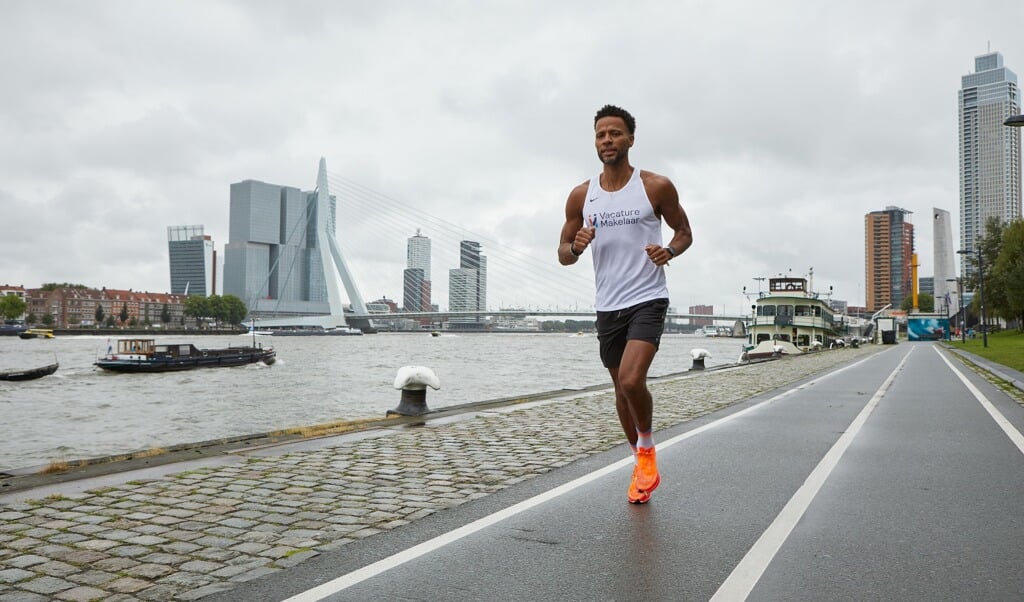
(1008, 428)
(385, 564)
(748, 572)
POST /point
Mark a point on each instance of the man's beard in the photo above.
(612, 160)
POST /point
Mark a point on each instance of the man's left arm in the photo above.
(666, 201)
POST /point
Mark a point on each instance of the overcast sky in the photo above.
(781, 124)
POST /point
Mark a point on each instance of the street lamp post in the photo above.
(960, 303)
(981, 291)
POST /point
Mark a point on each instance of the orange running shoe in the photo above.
(647, 477)
(635, 496)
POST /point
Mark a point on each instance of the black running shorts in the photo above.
(643, 321)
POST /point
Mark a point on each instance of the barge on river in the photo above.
(790, 319)
(144, 355)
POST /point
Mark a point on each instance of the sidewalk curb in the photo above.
(1002, 372)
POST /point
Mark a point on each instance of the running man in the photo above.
(618, 215)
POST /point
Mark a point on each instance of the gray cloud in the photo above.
(781, 124)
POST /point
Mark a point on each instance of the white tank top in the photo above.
(624, 223)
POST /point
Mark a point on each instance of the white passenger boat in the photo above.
(790, 319)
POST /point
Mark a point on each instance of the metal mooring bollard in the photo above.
(413, 381)
(698, 356)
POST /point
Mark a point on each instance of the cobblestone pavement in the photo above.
(202, 531)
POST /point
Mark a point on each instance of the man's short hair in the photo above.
(614, 111)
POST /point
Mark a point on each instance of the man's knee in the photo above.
(633, 384)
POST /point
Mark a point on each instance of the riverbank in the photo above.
(83, 412)
(203, 527)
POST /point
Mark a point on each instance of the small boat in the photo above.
(435, 333)
(30, 374)
(36, 333)
(11, 328)
(318, 332)
(144, 355)
(770, 348)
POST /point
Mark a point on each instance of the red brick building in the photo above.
(702, 310)
(76, 306)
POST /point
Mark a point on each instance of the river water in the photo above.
(83, 412)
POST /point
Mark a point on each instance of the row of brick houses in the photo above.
(71, 307)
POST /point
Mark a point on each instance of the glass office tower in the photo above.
(192, 261)
(990, 175)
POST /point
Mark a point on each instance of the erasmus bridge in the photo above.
(345, 216)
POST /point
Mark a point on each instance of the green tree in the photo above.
(48, 319)
(31, 318)
(215, 308)
(111, 321)
(124, 313)
(994, 290)
(197, 307)
(234, 309)
(12, 306)
(925, 303)
(99, 314)
(52, 286)
(552, 326)
(165, 314)
(1008, 272)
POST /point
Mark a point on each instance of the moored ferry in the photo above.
(790, 319)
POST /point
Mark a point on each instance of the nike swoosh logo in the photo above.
(592, 200)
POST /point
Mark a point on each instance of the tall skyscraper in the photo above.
(282, 258)
(418, 253)
(416, 278)
(192, 260)
(990, 178)
(467, 284)
(944, 257)
(888, 251)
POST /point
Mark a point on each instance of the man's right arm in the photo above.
(573, 224)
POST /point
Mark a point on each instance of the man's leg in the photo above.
(636, 410)
(631, 384)
(623, 410)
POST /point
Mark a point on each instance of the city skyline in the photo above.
(150, 124)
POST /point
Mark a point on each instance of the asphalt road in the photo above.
(888, 479)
